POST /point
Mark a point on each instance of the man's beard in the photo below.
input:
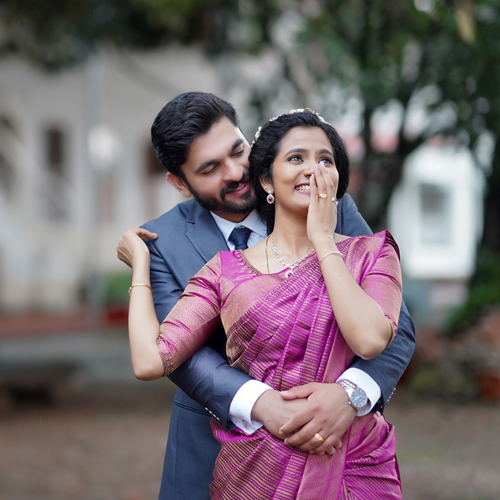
(246, 205)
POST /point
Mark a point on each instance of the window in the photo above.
(6, 155)
(54, 150)
(55, 189)
(436, 215)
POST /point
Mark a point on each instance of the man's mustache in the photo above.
(233, 186)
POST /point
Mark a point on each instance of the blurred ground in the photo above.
(105, 439)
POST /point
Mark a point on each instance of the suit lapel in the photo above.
(204, 233)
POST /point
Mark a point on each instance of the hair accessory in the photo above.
(270, 198)
(139, 284)
(291, 112)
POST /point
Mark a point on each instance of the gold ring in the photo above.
(322, 195)
(318, 437)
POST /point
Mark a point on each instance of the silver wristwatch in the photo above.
(357, 397)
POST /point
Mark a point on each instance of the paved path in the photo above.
(106, 438)
(108, 443)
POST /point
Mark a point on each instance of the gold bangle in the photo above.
(139, 284)
(333, 252)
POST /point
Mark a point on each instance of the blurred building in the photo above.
(77, 168)
(436, 216)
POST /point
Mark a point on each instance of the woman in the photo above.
(296, 308)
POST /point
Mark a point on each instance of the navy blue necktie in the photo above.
(239, 237)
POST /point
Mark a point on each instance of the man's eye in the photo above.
(238, 153)
(209, 170)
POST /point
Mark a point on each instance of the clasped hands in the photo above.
(295, 416)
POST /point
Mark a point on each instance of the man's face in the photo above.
(216, 172)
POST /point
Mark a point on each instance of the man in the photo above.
(197, 138)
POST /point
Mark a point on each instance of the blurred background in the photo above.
(413, 88)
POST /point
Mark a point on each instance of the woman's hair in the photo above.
(267, 145)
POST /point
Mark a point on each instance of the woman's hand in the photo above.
(132, 247)
(322, 215)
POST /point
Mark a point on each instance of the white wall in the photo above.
(42, 262)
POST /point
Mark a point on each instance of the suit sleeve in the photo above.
(206, 377)
(388, 367)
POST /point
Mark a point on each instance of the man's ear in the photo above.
(180, 184)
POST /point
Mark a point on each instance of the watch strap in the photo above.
(349, 387)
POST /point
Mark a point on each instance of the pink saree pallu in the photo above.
(283, 332)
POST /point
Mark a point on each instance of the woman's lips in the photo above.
(302, 191)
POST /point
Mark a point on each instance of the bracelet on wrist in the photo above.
(333, 252)
(139, 284)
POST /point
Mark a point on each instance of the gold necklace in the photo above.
(267, 259)
(285, 265)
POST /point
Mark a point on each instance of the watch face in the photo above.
(358, 398)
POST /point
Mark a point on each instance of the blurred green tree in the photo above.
(60, 33)
(431, 61)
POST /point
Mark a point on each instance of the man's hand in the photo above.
(327, 413)
(274, 411)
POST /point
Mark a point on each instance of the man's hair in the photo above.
(266, 147)
(181, 121)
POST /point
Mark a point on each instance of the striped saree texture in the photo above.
(283, 332)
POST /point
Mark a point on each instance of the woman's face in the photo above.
(301, 149)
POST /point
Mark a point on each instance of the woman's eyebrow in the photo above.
(325, 151)
(302, 150)
(296, 150)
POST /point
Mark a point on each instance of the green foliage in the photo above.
(60, 33)
(446, 381)
(484, 291)
(116, 288)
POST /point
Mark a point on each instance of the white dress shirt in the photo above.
(240, 410)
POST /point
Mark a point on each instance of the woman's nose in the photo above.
(309, 168)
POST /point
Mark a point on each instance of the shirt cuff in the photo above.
(363, 380)
(240, 410)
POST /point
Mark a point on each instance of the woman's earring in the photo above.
(270, 198)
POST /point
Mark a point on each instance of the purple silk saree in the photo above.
(283, 332)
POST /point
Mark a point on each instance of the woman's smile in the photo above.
(303, 188)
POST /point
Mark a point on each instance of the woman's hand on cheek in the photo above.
(322, 215)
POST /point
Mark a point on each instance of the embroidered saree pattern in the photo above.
(283, 332)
